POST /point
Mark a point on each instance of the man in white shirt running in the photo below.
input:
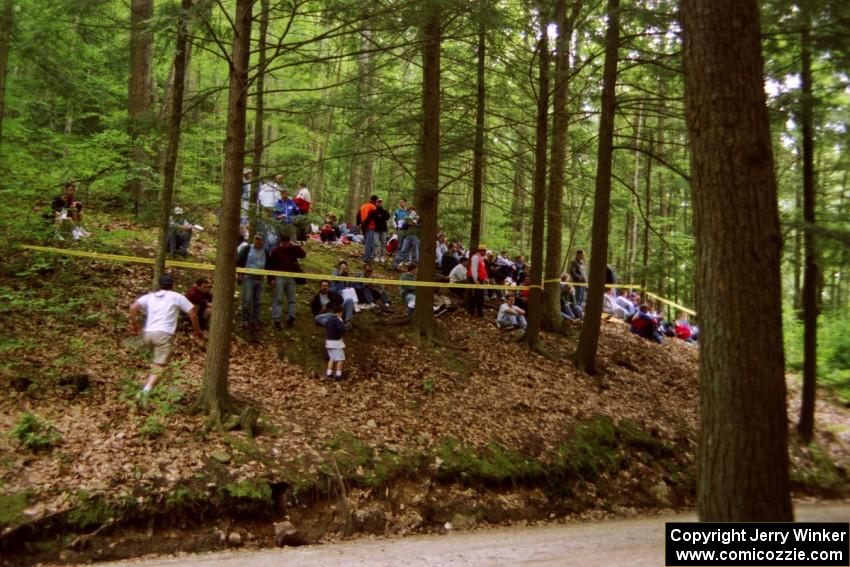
(162, 308)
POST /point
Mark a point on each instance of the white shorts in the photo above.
(336, 354)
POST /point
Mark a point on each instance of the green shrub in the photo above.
(33, 433)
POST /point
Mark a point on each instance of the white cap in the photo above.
(178, 211)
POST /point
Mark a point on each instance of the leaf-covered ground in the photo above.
(491, 414)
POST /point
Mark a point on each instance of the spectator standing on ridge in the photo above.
(200, 295)
(246, 202)
(381, 217)
(162, 309)
(302, 198)
(254, 257)
(269, 193)
(367, 224)
(284, 258)
(285, 212)
(579, 277)
(409, 251)
(400, 221)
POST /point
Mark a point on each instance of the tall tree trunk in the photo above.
(366, 62)
(518, 200)
(478, 150)
(647, 216)
(427, 186)
(353, 198)
(214, 391)
(798, 256)
(259, 117)
(631, 217)
(181, 57)
(743, 445)
(535, 296)
(663, 207)
(811, 292)
(5, 43)
(552, 319)
(139, 96)
(588, 341)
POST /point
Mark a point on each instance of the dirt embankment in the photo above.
(416, 437)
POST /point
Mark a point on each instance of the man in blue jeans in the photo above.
(253, 256)
(284, 258)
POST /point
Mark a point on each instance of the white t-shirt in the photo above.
(303, 193)
(458, 274)
(269, 194)
(163, 307)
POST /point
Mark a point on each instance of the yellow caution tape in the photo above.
(253, 271)
(308, 276)
(671, 303)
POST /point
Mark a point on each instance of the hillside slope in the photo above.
(416, 436)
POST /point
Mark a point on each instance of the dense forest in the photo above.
(540, 128)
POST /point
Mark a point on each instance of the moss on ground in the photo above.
(12, 507)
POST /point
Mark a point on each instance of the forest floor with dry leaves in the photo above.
(416, 438)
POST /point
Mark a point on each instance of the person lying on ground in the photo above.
(323, 304)
(511, 316)
(162, 309)
(201, 297)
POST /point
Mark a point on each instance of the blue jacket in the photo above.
(286, 211)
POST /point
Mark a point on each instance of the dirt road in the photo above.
(636, 542)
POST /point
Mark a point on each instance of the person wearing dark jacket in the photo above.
(579, 277)
(284, 258)
(334, 330)
(381, 216)
(450, 260)
(645, 325)
(323, 303)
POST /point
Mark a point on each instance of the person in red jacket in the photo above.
(284, 258)
(477, 273)
(201, 297)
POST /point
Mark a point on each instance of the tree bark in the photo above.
(552, 319)
(535, 296)
(427, 187)
(811, 276)
(5, 43)
(588, 341)
(214, 391)
(259, 117)
(743, 443)
(181, 58)
(518, 200)
(478, 150)
(139, 94)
